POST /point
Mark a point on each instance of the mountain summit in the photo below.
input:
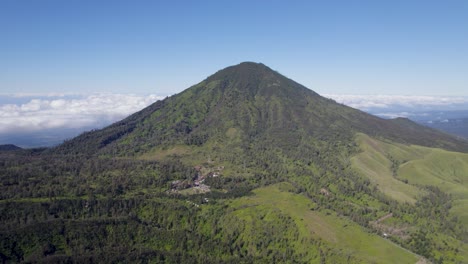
(255, 78)
(258, 104)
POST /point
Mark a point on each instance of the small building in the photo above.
(324, 192)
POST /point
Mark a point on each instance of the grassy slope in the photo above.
(374, 163)
(418, 166)
(444, 169)
(348, 238)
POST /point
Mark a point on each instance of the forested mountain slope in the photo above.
(258, 102)
(247, 166)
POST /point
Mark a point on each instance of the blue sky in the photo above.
(162, 47)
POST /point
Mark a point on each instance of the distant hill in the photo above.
(457, 127)
(8, 147)
(453, 122)
(42, 138)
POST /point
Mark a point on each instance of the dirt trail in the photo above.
(383, 218)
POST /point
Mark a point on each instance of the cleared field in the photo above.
(374, 163)
(446, 170)
(403, 172)
(350, 239)
(414, 166)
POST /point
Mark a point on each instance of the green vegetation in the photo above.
(376, 163)
(244, 167)
(342, 239)
(434, 179)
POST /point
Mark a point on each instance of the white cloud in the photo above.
(57, 111)
(367, 102)
(60, 111)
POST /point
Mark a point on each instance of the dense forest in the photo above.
(61, 209)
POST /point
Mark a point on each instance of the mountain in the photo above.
(246, 166)
(259, 104)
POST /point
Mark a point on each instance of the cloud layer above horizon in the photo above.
(409, 106)
(29, 113)
(414, 102)
(21, 113)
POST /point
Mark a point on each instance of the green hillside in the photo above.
(346, 240)
(412, 174)
(377, 162)
(401, 171)
(447, 171)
